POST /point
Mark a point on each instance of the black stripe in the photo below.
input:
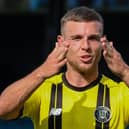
(59, 96)
(107, 104)
(100, 103)
(59, 105)
(100, 95)
(52, 104)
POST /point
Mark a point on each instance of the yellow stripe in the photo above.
(55, 108)
(104, 96)
(104, 99)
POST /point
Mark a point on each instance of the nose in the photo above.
(85, 44)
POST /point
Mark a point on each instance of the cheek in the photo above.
(98, 52)
(74, 47)
(72, 51)
(96, 49)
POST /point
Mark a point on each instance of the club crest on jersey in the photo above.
(55, 111)
(102, 114)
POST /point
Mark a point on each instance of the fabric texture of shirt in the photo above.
(78, 104)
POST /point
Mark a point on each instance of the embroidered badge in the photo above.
(102, 114)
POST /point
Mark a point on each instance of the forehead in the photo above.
(72, 27)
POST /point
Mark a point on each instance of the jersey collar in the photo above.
(93, 83)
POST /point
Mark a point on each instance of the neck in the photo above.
(81, 79)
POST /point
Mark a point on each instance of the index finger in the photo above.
(66, 44)
(105, 42)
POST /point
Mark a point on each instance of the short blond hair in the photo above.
(81, 14)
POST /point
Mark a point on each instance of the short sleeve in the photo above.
(32, 105)
(125, 98)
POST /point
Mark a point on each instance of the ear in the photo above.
(60, 39)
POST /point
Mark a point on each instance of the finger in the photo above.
(62, 54)
(61, 49)
(107, 48)
(66, 44)
(104, 43)
(62, 63)
(108, 60)
(57, 50)
(103, 38)
(64, 50)
(56, 47)
(107, 55)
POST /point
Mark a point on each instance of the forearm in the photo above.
(16, 94)
(125, 74)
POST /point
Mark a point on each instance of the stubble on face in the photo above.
(81, 67)
(75, 53)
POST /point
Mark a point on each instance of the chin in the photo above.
(86, 67)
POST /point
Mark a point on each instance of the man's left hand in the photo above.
(114, 60)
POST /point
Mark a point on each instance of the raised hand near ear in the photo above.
(55, 60)
(114, 60)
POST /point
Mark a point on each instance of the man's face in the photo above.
(85, 48)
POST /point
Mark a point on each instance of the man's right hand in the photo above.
(18, 92)
(55, 60)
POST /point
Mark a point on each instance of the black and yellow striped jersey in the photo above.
(56, 104)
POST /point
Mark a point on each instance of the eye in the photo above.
(94, 38)
(76, 38)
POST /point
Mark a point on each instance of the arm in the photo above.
(14, 96)
(115, 61)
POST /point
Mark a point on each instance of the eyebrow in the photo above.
(75, 36)
(97, 36)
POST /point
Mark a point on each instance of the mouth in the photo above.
(86, 59)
